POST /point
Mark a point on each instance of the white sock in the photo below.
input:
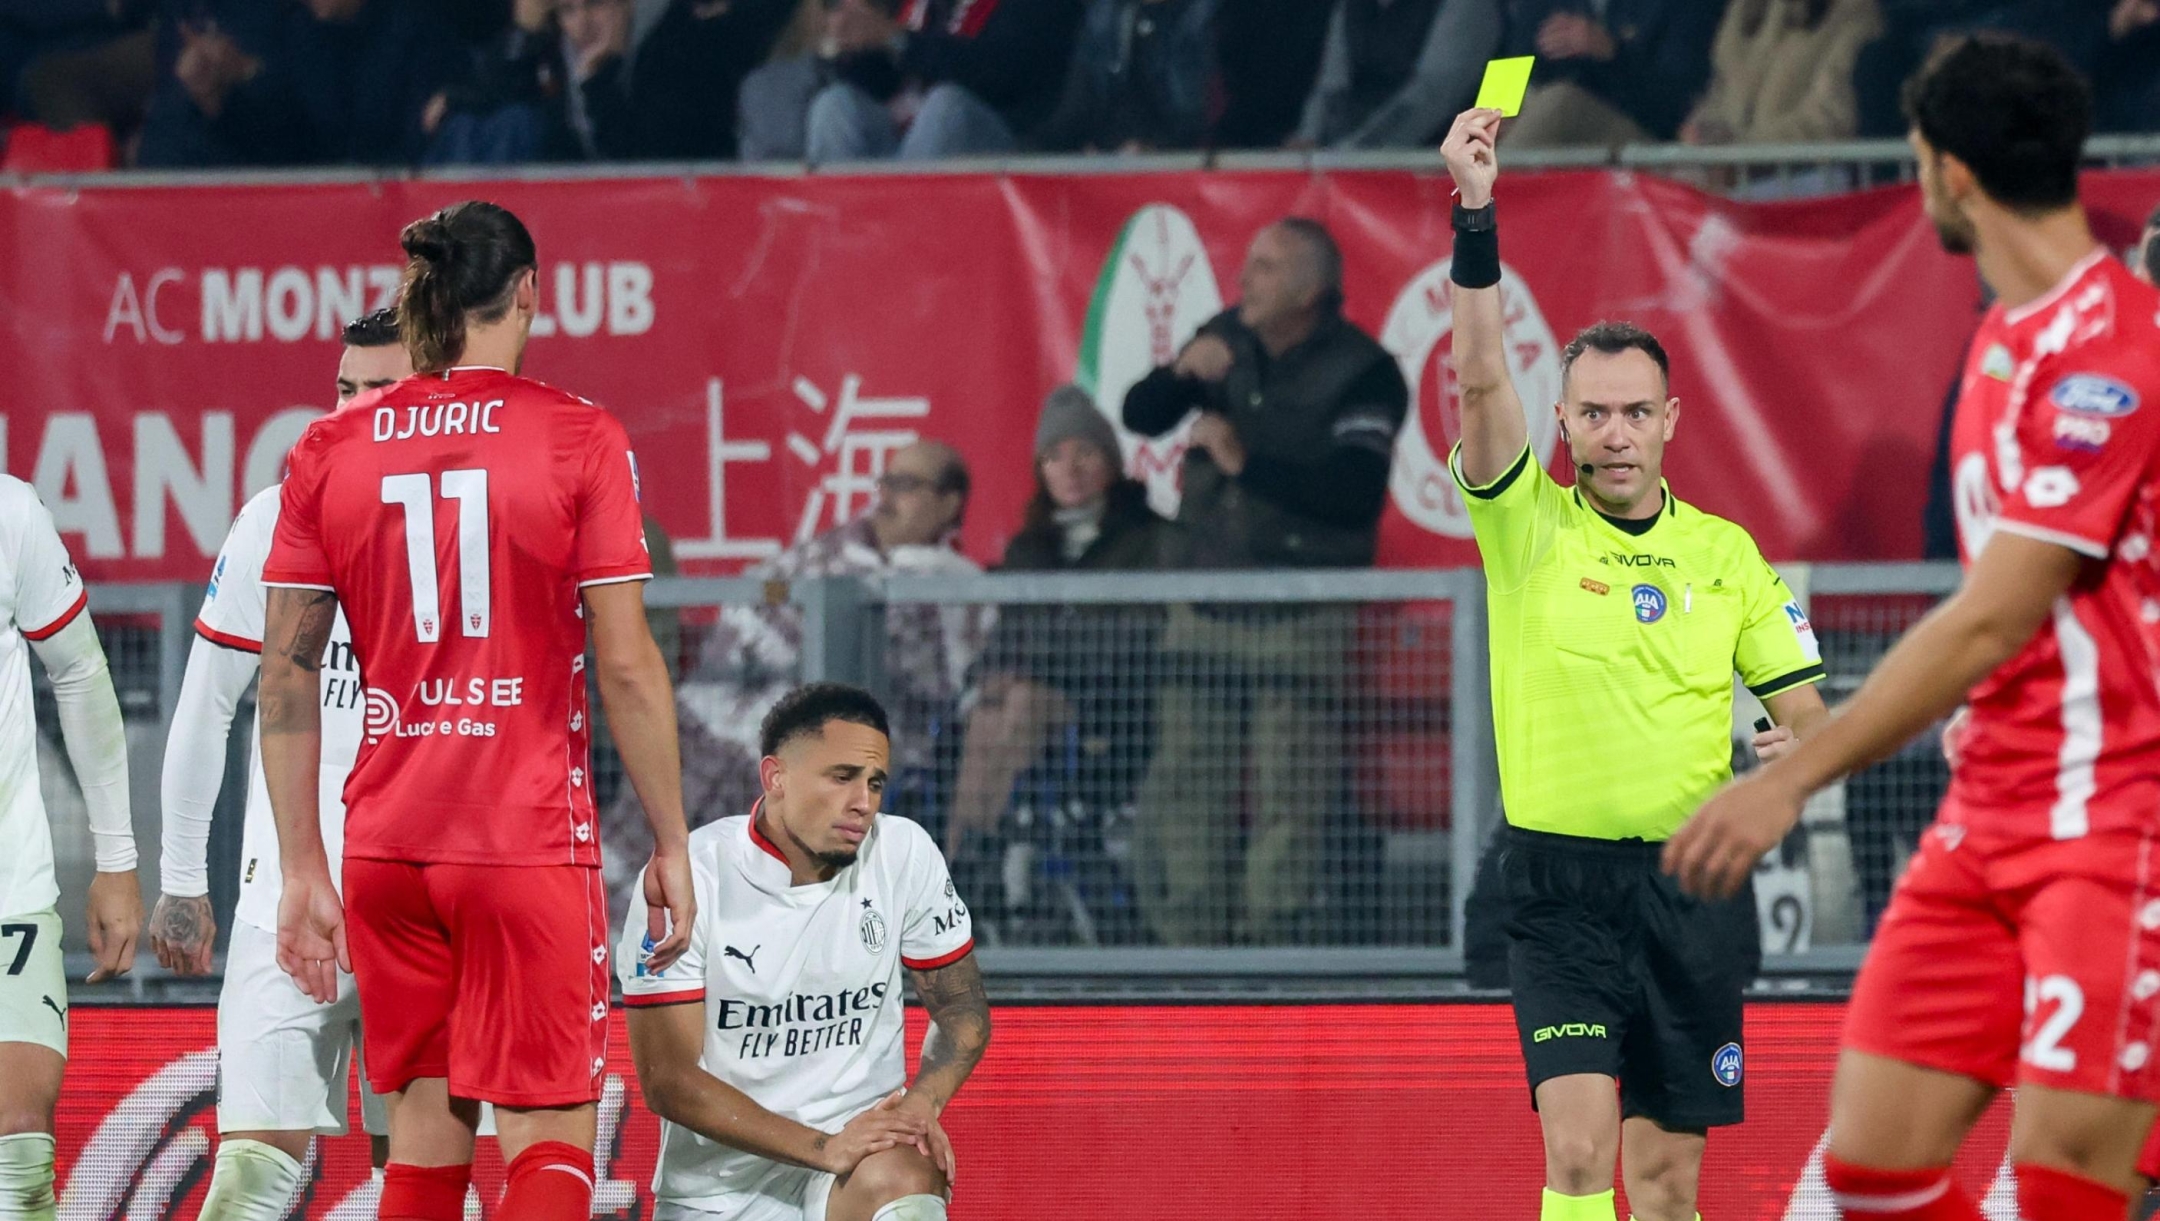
(252, 1182)
(912, 1208)
(26, 1177)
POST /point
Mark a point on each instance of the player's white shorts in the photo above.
(283, 1059)
(33, 981)
(786, 1193)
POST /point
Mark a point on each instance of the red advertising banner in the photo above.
(769, 341)
(1154, 1113)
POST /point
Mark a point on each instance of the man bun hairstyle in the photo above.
(1612, 338)
(2012, 109)
(374, 330)
(462, 266)
(806, 711)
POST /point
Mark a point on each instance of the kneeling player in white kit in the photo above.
(41, 602)
(775, 1048)
(282, 1058)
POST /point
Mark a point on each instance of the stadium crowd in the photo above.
(219, 83)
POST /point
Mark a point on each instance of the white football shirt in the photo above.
(232, 616)
(801, 985)
(40, 593)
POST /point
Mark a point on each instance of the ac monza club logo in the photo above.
(381, 719)
(1416, 332)
(1155, 288)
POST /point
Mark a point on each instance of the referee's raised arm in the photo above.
(1493, 428)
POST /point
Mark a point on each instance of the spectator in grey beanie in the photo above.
(1050, 665)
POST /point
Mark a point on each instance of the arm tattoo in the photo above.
(959, 1020)
(297, 626)
(312, 613)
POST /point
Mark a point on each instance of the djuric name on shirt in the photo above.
(437, 420)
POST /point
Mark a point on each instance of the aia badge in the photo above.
(1649, 603)
(872, 928)
(1725, 1065)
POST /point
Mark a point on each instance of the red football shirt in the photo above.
(456, 516)
(2057, 437)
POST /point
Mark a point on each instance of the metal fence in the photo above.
(1273, 776)
(1764, 170)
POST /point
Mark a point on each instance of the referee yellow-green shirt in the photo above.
(1613, 653)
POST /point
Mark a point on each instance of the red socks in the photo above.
(423, 1193)
(550, 1181)
(2045, 1194)
(1867, 1194)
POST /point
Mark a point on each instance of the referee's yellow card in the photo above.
(1506, 80)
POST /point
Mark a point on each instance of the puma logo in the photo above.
(58, 1012)
(732, 952)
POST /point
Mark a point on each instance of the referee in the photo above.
(1618, 617)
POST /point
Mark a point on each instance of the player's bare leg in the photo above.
(1894, 1127)
(896, 1185)
(520, 1128)
(430, 1128)
(29, 1089)
(1898, 1116)
(1661, 1169)
(548, 1153)
(2075, 1152)
(430, 1152)
(1580, 1116)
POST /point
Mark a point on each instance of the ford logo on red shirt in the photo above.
(2091, 394)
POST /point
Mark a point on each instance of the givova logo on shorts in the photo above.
(1568, 1030)
(1725, 1065)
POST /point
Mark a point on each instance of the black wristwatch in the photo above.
(1474, 220)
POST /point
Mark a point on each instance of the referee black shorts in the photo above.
(1616, 972)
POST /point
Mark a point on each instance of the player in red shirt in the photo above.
(2023, 943)
(472, 525)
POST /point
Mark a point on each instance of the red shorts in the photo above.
(2020, 961)
(494, 977)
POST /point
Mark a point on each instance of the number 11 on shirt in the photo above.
(416, 494)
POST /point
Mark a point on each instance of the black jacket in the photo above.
(1661, 64)
(1012, 54)
(1100, 656)
(1318, 424)
(672, 100)
(1134, 538)
(1074, 648)
(349, 93)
